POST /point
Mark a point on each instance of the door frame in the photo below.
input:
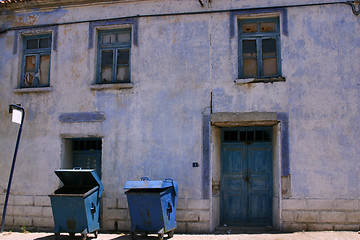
(245, 143)
(231, 120)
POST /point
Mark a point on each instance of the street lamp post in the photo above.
(18, 114)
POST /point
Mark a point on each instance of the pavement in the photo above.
(123, 236)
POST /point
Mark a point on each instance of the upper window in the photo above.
(113, 64)
(259, 48)
(36, 61)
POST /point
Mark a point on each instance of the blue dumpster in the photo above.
(76, 205)
(152, 206)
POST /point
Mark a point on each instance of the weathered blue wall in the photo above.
(323, 101)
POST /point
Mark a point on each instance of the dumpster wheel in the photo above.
(83, 236)
(57, 235)
(171, 234)
(160, 236)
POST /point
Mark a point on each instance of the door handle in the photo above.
(169, 210)
(247, 179)
(93, 208)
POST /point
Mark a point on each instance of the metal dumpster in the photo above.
(76, 205)
(152, 206)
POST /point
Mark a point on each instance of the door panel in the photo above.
(88, 160)
(87, 153)
(233, 182)
(260, 187)
(246, 182)
(234, 209)
(236, 161)
(258, 208)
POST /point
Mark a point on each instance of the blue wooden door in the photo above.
(87, 154)
(246, 181)
(88, 160)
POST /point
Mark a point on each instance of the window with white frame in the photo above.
(113, 56)
(259, 48)
(36, 61)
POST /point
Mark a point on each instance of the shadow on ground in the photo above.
(65, 236)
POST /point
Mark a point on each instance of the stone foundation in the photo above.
(26, 212)
(320, 215)
(192, 215)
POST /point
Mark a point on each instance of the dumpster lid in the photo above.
(80, 177)
(146, 183)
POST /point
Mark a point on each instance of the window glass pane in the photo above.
(122, 73)
(269, 57)
(75, 145)
(250, 135)
(106, 58)
(30, 62)
(249, 27)
(29, 78)
(269, 47)
(44, 69)
(81, 145)
(230, 136)
(32, 44)
(106, 73)
(123, 37)
(123, 56)
(44, 42)
(267, 135)
(249, 48)
(106, 65)
(269, 66)
(268, 27)
(242, 136)
(250, 67)
(93, 145)
(258, 135)
(108, 38)
(29, 74)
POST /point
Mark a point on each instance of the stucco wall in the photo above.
(183, 69)
(324, 98)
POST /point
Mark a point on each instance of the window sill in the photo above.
(33, 90)
(112, 86)
(241, 81)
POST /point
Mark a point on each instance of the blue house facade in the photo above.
(251, 106)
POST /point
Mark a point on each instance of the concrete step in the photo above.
(244, 229)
